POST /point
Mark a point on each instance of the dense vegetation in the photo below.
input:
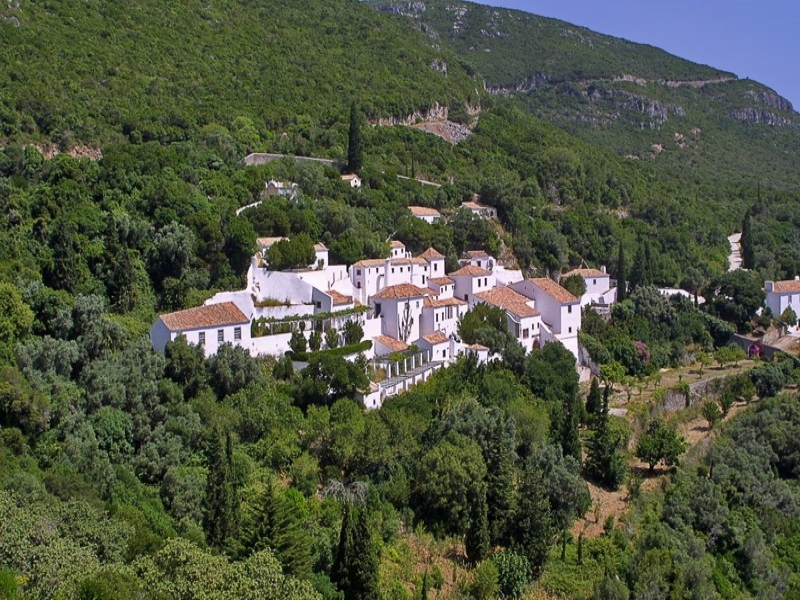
(124, 472)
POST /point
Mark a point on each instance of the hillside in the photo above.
(96, 72)
(634, 99)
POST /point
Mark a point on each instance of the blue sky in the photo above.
(759, 40)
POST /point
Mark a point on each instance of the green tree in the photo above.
(711, 413)
(353, 332)
(331, 338)
(221, 503)
(354, 144)
(297, 342)
(594, 399)
(575, 285)
(355, 567)
(315, 341)
(295, 253)
(477, 537)
(15, 322)
(746, 241)
(622, 271)
(604, 460)
(660, 443)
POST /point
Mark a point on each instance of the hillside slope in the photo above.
(634, 99)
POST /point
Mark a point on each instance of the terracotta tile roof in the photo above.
(370, 262)
(428, 302)
(509, 300)
(475, 206)
(396, 244)
(266, 242)
(391, 343)
(339, 298)
(470, 270)
(441, 281)
(585, 273)
(418, 260)
(348, 177)
(437, 337)
(476, 347)
(788, 286)
(319, 247)
(431, 254)
(402, 290)
(476, 254)
(555, 291)
(424, 211)
(202, 317)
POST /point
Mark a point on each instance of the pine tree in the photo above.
(276, 526)
(622, 267)
(477, 539)
(221, 502)
(570, 439)
(354, 150)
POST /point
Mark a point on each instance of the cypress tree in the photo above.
(221, 502)
(477, 540)
(354, 150)
(355, 568)
(533, 530)
(622, 267)
(594, 399)
(604, 462)
(748, 252)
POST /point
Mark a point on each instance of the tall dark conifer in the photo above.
(221, 503)
(477, 539)
(354, 149)
(748, 251)
(355, 567)
(622, 268)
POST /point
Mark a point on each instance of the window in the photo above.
(570, 329)
(449, 312)
(525, 333)
(444, 353)
(220, 335)
(569, 309)
(377, 309)
(435, 266)
(417, 303)
(594, 281)
(358, 271)
(392, 270)
(423, 280)
(437, 317)
(237, 334)
(201, 338)
(485, 281)
(358, 285)
(319, 304)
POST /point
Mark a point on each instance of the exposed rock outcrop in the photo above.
(754, 115)
(770, 100)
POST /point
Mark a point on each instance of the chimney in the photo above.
(603, 269)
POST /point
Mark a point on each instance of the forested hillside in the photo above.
(691, 121)
(126, 473)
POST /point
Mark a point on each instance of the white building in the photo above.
(400, 309)
(471, 280)
(441, 314)
(479, 258)
(281, 188)
(351, 179)
(782, 295)
(599, 291)
(370, 276)
(479, 209)
(429, 215)
(523, 320)
(206, 326)
(560, 310)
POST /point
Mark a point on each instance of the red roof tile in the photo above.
(470, 270)
(202, 317)
(441, 281)
(429, 302)
(509, 300)
(339, 298)
(476, 254)
(555, 291)
(402, 290)
(585, 273)
(432, 254)
(397, 244)
(424, 211)
(437, 337)
(391, 343)
(791, 286)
